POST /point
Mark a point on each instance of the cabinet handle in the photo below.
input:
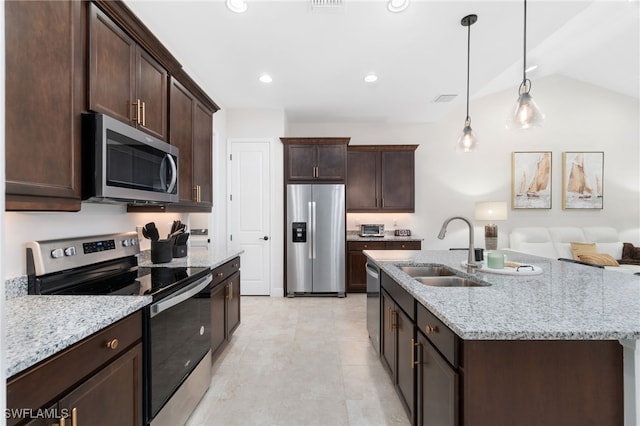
(144, 114)
(196, 193)
(199, 194)
(235, 265)
(414, 345)
(112, 344)
(62, 422)
(230, 291)
(389, 319)
(74, 416)
(138, 105)
(428, 329)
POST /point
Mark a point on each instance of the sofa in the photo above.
(558, 242)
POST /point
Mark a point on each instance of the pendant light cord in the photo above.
(468, 61)
(524, 64)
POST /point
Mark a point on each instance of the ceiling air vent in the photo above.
(444, 98)
(326, 3)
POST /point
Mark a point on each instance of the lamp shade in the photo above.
(491, 211)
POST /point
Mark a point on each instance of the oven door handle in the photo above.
(179, 297)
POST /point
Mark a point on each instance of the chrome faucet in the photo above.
(471, 258)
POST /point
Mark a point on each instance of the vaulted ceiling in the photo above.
(318, 57)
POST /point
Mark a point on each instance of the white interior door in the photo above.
(249, 213)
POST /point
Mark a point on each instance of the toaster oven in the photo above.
(372, 230)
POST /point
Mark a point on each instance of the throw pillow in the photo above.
(598, 259)
(629, 251)
(579, 248)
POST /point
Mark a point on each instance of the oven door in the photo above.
(179, 336)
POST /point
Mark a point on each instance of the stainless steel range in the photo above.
(177, 324)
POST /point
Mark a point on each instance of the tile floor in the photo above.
(301, 361)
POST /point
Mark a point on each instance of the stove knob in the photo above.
(126, 243)
(134, 242)
(57, 253)
(70, 251)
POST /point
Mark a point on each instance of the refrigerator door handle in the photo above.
(313, 229)
(310, 230)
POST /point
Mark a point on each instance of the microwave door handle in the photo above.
(174, 173)
(163, 171)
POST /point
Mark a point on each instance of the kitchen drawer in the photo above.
(445, 340)
(224, 271)
(404, 245)
(35, 389)
(366, 245)
(399, 295)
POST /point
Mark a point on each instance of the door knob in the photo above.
(264, 238)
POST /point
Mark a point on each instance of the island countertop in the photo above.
(566, 302)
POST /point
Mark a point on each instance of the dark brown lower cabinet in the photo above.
(397, 347)
(111, 396)
(457, 382)
(356, 260)
(97, 381)
(436, 387)
(225, 305)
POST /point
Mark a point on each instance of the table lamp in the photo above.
(491, 211)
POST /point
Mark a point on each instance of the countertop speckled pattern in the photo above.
(197, 256)
(388, 236)
(566, 302)
(40, 326)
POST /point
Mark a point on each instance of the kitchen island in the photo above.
(562, 315)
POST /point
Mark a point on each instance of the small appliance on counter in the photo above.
(402, 232)
(372, 230)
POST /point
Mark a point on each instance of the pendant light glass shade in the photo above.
(526, 114)
(467, 142)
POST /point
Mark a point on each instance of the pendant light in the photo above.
(467, 141)
(526, 114)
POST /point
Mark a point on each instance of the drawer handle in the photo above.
(428, 329)
(112, 344)
(235, 265)
(220, 274)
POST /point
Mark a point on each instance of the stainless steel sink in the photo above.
(450, 281)
(427, 271)
(440, 276)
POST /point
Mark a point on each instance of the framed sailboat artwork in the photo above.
(582, 180)
(531, 180)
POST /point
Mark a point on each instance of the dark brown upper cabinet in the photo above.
(381, 178)
(125, 82)
(192, 133)
(317, 160)
(45, 81)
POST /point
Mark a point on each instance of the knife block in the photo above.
(180, 251)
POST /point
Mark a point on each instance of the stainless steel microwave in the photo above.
(123, 164)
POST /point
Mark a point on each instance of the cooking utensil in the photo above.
(152, 231)
(176, 233)
(144, 233)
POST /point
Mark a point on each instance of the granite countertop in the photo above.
(567, 301)
(197, 256)
(40, 326)
(388, 236)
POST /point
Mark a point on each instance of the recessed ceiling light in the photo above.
(531, 68)
(397, 5)
(370, 78)
(237, 6)
(266, 78)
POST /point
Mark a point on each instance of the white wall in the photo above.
(261, 124)
(579, 117)
(93, 219)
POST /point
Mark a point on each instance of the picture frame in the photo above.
(582, 179)
(531, 180)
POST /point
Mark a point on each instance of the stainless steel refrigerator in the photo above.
(315, 239)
